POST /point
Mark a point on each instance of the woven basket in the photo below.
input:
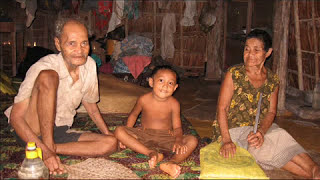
(99, 168)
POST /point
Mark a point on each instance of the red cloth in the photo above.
(136, 64)
(106, 68)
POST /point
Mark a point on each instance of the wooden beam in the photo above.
(225, 30)
(282, 33)
(315, 43)
(214, 62)
(154, 25)
(249, 15)
(298, 43)
(181, 36)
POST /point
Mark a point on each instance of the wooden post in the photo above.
(282, 56)
(14, 51)
(315, 43)
(181, 36)
(298, 43)
(215, 47)
(249, 15)
(154, 25)
(225, 31)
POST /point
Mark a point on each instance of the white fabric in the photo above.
(69, 94)
(117, 14)
(189, 13)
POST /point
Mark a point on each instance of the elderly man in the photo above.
(45, 106)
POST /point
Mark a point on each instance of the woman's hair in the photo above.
(165, 67)
(62, 21)
(262, 36)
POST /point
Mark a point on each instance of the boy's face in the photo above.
(163, 83)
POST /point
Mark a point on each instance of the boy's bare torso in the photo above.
(157, 114)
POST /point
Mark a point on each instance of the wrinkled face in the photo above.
(73, 44)
(163, 83)
(254, 53)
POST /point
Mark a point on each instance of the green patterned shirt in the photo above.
(244, 102)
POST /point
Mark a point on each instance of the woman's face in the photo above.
(254, 53)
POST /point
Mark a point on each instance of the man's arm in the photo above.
(95, 115)
(23, 130)
(135, 113)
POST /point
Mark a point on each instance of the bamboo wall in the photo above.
(304, 45)
(190, 42)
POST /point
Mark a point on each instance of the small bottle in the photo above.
(316, 96)
(32, 166)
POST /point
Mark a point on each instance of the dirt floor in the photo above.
(198, 99)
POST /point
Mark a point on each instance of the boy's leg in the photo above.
(132, 142)
(171, 167)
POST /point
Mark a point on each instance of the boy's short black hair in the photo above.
(261, 35)
(167, 67)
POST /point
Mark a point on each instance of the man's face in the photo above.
(73, 44)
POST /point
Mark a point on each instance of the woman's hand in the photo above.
(228, 148)
(256, 139)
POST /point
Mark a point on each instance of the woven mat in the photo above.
(99, 168)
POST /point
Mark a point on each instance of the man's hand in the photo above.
(52, 161)
(255, 139)
(179, 148)
(228, 148)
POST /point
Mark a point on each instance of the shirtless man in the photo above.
(160, 124)
(45, 106)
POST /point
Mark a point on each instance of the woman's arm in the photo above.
(225, 96)
(256, 140)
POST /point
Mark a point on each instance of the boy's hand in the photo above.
(178, 148)
(122, 146)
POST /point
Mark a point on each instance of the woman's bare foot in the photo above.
(316, 172)
(171, 168)
(154, 159)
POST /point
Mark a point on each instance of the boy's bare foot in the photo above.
(171, 168)
(316, 172)
(154, 159)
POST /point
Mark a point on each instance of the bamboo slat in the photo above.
(309, 52)
(304, 74)
(298, 44)
(315, 42)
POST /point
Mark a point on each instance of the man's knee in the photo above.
(47, 80)
(109, 145)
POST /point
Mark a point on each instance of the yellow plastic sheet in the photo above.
(241, 166)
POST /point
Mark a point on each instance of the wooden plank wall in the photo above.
(190, 42)
(303, 52)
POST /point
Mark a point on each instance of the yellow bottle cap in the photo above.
(31, 146)
(32, 152)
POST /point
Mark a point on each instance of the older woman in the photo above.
(238, 102)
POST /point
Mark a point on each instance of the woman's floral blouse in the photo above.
(244, 102)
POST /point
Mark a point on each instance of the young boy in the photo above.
(160, 124)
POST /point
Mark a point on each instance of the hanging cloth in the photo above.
(167, 30)
(189, 13)
(117, 14)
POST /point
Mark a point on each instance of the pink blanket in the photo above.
(136, 64)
